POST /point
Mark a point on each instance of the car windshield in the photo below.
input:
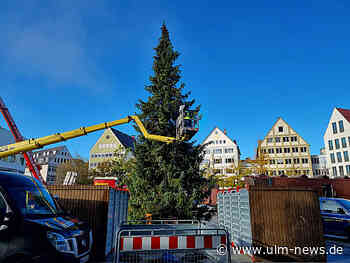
(34, 201)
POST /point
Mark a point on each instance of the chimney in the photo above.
(225, 132)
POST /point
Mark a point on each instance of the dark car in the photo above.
(335, 214)
(33, 227)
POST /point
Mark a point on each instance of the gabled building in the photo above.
(337, 142)
(285, 151)
(49, 159)
(222, 155)
(105, 147)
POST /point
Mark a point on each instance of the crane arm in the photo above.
(32, 144)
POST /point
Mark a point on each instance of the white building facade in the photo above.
(49, 160)
(222, 155)
(337, 143)
(12, 163)
(320, 164)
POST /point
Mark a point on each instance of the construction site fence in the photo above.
(272, 216)
(102, 207)
(170, 243)
(161, 221)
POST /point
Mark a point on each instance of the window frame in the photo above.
(334, 128)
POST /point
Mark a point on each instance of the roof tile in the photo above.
(345, 113)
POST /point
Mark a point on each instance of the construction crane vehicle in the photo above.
(28, 156)
(24, 146)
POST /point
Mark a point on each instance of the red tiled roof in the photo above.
(345, 113)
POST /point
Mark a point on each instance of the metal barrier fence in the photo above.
(162, 221)
(171, 243)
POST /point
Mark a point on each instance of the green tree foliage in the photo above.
(103, 169)
(123, 166)
(79, 166)
(167, 180)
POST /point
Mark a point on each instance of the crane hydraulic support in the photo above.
(31, 144)
(28, 156)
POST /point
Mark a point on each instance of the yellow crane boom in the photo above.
(33, 144)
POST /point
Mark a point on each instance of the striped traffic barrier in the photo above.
(171, 242)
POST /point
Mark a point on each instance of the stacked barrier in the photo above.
(234, 215)
(270, 216)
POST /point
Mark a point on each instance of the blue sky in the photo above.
(66, 64)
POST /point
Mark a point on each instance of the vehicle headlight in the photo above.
(59, 242)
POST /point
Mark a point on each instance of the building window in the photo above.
(217, 160)
(296, 160)
(304, 160)
(339, 157)
(217, 151)
(277, 139)
(224, 141)
(346, 156)
(286, 150)
(279, 161)
(271, 150)
(229, 160)
(341, 126)
(229, 150)
(334, 126)
(272, 161)
(278, 150)
(285, 139)
(303, 149)
(280, 129)
(293, 138)
(341, 170)
(337, 145)
(343, 142)
(330, 145)
(288, 161)
(332, 158)
(269, 140)
(347, 170)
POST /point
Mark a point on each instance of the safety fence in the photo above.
(170, 243)
(102, 207)
(271, 216)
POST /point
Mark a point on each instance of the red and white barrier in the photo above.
(171, 242)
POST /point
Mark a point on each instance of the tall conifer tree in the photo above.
(167, 180)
